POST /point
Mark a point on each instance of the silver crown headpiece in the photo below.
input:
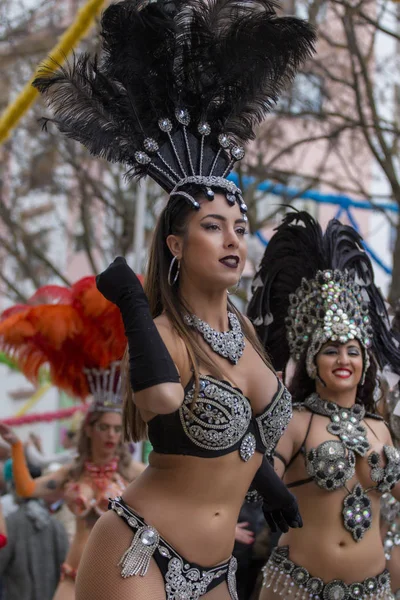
(188, 163)
(105, 387)
(330, 307)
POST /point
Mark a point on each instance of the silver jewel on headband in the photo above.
(234, 193)
(224, 140)
(165, 125)
(182, 116)
(237, 152)
(228, 344)
(150, 145)
(204, 128)
(142, 158)
(209, 181)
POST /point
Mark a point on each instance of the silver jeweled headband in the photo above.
(105, 387)
(329, 307)
(184, 154)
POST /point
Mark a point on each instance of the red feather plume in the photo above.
(69, 329)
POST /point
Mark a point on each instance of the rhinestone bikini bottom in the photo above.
(183, 580)
(289, 580)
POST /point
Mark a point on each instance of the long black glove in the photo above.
(279, 505)
(149, 360)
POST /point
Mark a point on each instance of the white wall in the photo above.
(11, 381)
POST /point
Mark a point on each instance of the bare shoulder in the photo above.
(135, 469)
(248, 323)
(380, 428)
(299, 423)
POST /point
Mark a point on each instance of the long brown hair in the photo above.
(84, 449)
(165, 298)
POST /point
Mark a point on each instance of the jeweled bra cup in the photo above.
(332, 463)
(222, 415)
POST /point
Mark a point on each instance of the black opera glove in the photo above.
(279, 505)
(150, 363)
(118, 280)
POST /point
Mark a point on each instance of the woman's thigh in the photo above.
(148, 587)
(65, 590)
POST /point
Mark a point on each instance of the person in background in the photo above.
(80, 336)
(315, 300)
(251, 522)
(390, 507)
(37, 544)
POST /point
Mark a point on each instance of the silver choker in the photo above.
(228, 344)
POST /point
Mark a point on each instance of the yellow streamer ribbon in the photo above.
(67, 42)
(33, 400)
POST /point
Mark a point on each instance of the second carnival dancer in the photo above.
(390, 507)
(80, 336)
(315, 302)
(176, 95)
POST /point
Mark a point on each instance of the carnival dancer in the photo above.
(390, 507)
(178, 91)
(80, 336)
(337, 454)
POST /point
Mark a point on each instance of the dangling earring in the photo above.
(236, 288)
(171, 283)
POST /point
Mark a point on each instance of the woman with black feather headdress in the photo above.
(176, 95)
(315, 303)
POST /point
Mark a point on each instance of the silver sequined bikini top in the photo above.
(332, 464)
(220, 422)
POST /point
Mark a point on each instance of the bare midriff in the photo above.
(194, 502)
(324, 547)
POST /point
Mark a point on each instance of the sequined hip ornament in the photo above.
(183, 580)
(289, 580)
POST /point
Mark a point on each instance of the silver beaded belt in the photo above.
(183, 580)
(290, 580)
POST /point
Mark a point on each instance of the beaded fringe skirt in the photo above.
(292, 581)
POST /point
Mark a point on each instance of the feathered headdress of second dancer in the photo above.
(314, 287)
(179, 88)
(74, 331)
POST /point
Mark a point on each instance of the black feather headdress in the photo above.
(179, 88)
(313, 287)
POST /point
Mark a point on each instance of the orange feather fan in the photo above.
(69, 329)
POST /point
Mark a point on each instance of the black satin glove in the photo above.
(150, 363)
(118, 280)
(279, 505)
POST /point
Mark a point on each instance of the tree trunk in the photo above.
(394, 293)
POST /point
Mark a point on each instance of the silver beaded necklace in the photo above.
(228, 344)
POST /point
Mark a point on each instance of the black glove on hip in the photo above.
(149, 360)
(279, 505)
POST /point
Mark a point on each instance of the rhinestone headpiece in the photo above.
(187, 165)
(328, 308)
(105, 387)
(179, 89)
